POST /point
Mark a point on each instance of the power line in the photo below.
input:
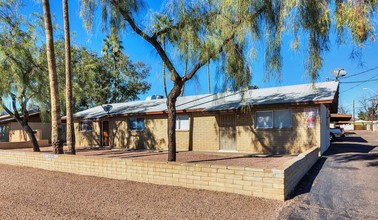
(361, 81)
(366, 71)
(359, 84)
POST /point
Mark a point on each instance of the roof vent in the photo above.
(154, 97)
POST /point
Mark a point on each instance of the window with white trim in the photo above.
(273, 119)
(136, 124)
(86, 126)
(182, 122)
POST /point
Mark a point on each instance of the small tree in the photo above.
(22, 73)
(221, 31)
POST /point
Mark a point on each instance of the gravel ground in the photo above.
(27, 193)
(227, 159)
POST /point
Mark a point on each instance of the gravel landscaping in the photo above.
(27, 193)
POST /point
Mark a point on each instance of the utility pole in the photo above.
(372, 113)
(354, 115)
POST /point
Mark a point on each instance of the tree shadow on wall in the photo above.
(130, 139)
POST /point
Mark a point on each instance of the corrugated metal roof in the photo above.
(8, 118)
(322, 91)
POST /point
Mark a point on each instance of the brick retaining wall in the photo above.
(267, 183)
(22, 144)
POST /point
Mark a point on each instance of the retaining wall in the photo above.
(22, 144)
(267, 183)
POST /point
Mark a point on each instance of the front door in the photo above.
(105, 133)
(227, 131)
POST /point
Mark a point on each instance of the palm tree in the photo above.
(56, 124)
(163, 22)
(70, 132)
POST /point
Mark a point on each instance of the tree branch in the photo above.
(126, 15)
(204, 61)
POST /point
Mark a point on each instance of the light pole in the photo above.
(338, 73)
(372, 108)
(107, 108)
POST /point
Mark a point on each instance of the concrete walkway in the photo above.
(342, 185)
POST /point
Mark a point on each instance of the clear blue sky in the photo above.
(293, 71)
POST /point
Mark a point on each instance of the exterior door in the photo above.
(105, 133)
(227, 131)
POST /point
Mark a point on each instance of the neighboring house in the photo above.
(280, 120)
(342, 121)
(11, 130)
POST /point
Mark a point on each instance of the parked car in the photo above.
(336, 133)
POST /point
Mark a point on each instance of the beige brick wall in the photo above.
(17, 134)
(206, 137)
(295, 169)
(24, 144)
(154, 136)
(205, 132)
(293, 140)
(87, 139)
(268, 183)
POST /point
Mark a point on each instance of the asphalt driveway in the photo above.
(342, 185)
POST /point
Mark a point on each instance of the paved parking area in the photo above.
(342, 185)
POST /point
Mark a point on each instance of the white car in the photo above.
(336, 133)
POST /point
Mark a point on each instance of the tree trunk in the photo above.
(164, 75)
(31, 136)
(171, 105)
(70, 132)
(56, 124)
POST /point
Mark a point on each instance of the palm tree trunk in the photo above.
(56, 124)
(70, 132)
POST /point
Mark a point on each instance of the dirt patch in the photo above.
(27, 193)
(226, 159)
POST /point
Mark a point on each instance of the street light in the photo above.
(371, 90)
(372, 108)
(338, 73)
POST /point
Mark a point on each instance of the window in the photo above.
(273, 119)
(264, 119)
(182, 122)
(85, 126)
(282, 119)
(136, 124)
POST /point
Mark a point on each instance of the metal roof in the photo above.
(8, 118)
(317, 92)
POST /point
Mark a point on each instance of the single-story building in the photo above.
(11, 130)
(279, 120)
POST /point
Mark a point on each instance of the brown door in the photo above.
(227, 131)
(105, 133)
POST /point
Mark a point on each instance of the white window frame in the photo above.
(273, 115)
(179, 119)
(86, 128)
(137, 119)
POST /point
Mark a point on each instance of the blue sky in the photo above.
(293, 71)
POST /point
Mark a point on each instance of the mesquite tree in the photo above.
(221, 31)
(23, 76)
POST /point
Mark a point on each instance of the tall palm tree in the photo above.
(56, 124)
(162, 22)
(70, 132)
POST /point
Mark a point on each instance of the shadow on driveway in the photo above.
(343, 152)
